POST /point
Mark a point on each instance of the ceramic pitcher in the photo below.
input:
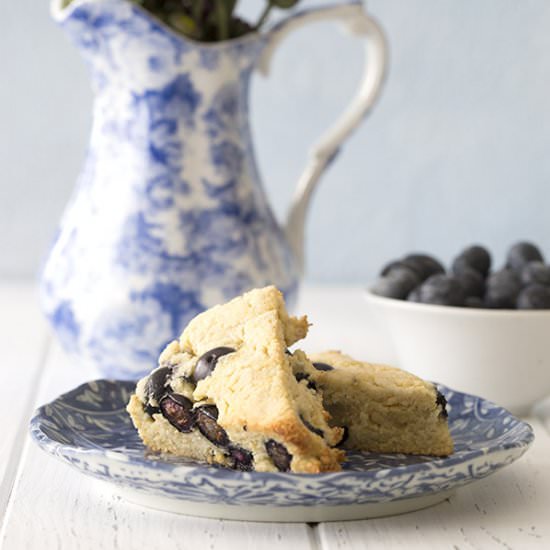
(169, 216)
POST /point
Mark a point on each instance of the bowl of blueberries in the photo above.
(475, 328)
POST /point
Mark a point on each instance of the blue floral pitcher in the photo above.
(169, 216)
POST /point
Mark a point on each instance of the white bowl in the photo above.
(502, 355)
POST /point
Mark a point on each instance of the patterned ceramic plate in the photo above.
(90, 429)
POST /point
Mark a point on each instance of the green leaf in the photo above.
(183, 23)
(231, 6)
(284, 4)
(238, 27)
(222, 19)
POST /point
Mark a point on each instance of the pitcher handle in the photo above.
(328, 146)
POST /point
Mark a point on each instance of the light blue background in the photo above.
(456, 151)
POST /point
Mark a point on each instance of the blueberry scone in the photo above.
(229, 392)
(383, 409)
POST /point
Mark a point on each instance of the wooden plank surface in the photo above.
(23, 342)
(542, 412)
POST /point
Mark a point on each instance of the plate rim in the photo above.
(439, 464)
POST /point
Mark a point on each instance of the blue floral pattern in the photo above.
(89, 429)
(169, 216)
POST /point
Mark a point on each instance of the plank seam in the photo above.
(314, 537)
(542, 413)
(14, 461)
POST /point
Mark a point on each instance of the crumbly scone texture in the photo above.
(223, 325)
(384, 409)
(270, 417)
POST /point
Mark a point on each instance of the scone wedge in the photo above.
(229, 392)
(383, 409)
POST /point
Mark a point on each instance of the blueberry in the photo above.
(460, 263)
(345, 436)
(472, 282)
(242, 459)
(389, 267)
(207, 362)
(311, 428)
(150, 410)
(399, 265)
(474, 257)
(312, 385)
(155, 387)
(181, 400)
(444, 290)
(207, 415)
(414, 295)
(420, 264)
(177, 409)
(534, 297)
(424, 265)
(397, 283)
(279, 454)
(303, 376)
(440, 401)
(502, 289)
(474, 302)
(521, 254)
(535, 273)
(322, 366)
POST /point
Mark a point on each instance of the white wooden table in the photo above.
(44, 504)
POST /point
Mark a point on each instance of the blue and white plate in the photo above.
(89, 429)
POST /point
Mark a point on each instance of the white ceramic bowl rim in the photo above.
(454, 310)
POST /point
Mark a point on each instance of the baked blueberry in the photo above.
(279, 454)
(311, 428)
(534, 297)
(444, 290)
(207, 417)
(155, 387)
(177, 409)
(397, 283)
(304, 376)
(440, 401)
(242, 459)
(472, 281)
(345, 436)
(502, 289)
(521, 254)
(207, 362)
(535, 273)
(150, 410)
(474, 257)
(322, 366)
